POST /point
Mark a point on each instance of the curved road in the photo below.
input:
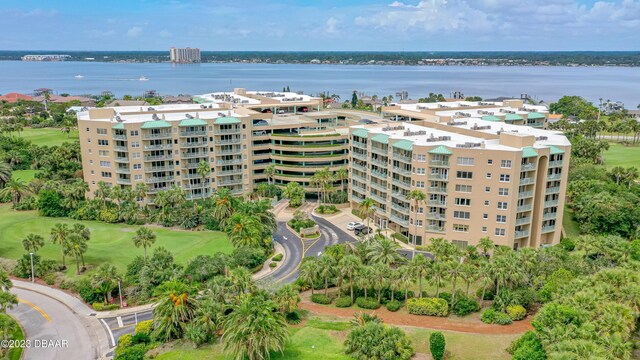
(46, 320)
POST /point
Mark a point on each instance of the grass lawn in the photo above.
(48, 136)
(318, 339)
(620, 155)
(25, 175)
(110, 243)
(16, 352)
(570, 226)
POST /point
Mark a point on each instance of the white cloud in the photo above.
(134, 32)
(331, 26)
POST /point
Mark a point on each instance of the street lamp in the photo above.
(33, 276)
(120, 291)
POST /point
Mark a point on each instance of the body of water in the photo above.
(546, 83)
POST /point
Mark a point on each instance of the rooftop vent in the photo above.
(188, 116)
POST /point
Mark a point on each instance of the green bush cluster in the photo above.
(394, 305)
(144, 327)
(301, 224)
(437, 345)
(278, 257)
(327, 209)
(527, 347)
(516, 312)
(464, 306)
(321, 299)
(367, 303)
(428, 306)
(343, 302)
(490, 316)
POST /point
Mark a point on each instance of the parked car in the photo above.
(353, 224)
(361, 229)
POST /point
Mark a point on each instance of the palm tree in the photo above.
(417, 196)
(5, 282)
(105, 280)
(348, 266)
(341, 175)
(76, 246)
(174, 311)
(326, 269)
(203, 170)
(419, 268)
(380, 273)
(103, 192)
(254, 328)
(309, 272)
(364, 278)
(287, 299)
(15, 189)
(366, 209)
(224, 205)
(7, 301)
(245, 230)
(270, 170)
(241, 280)
(439, 270)
(470, 275)
(5, 173)
(454, 269)
(486, 244)
(59, 234)
(85, 233)
(385, 251)
(32, 243)
(405, 280)
(144, 237)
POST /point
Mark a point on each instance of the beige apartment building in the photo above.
(480, 178)
(184, 55)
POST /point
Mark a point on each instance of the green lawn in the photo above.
(25, 175)
(570, 226)
(109, 242)
(320, 340)
(16, 352)
(48, 136)
(620, 155)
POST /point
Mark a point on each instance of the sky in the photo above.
(321, 25)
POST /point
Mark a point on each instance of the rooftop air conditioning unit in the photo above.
(188, 116)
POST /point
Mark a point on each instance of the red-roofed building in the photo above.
(13, 97)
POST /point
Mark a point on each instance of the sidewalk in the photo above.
(266, 269)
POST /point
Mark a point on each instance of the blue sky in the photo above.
(429, 25)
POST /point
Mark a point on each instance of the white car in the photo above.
(352, 225)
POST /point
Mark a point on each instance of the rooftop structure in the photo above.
(13, 97)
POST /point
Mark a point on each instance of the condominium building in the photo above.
(162, 146)
(479, 177)
(184, 55)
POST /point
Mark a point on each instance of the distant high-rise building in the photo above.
(186, 55)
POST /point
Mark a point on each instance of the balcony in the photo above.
(379, 162)
(193, 144)
(359, 145)
(402, 184)
(436, 216)
(162, 135)
(157, 189)
(555, 163)
(525, 194)
(122, 170)
(381, 151)
(551, 203)
(401, 171)
(521, 234)
(357, 198)
(229, 162)
(403, 221)
(230, 182)
(228, 141)
(528, 166)
(439, 163)
(554, 177)
(536, 124)
(195, 154)
(231, 151)
(359, 167)
(193, 133)
(120, 137)
(191, 176)
(120, 148)
(400, 208)
(438, 177)
(230, 172)
(158, 168)
(358, 188)
(122, 159)
(195, 186)
(523, 208)
(227, 131)
(399, 195)
(158, 147)
(378, 198)
(378, 186)
(548, 229)
(123, 181)
(549, 216)
(435, 229)
(437, 189)
(402, 158)
(159, 179)
(379, 174)
(358, 177)
(552, 190)
(196, 196)
(157, 157)
(526, 181)
(440, 203)
(523, 221)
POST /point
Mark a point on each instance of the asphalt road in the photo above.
(51, 323)
(294, 250)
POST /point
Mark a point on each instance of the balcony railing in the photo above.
(155, 190)
(521, 234)
(524, 220)
(231, 151)
(536, 124)
(399, 195)
(379, 174)
(440, 203)
(358, 177)
(523, 208)
(402, 158)
(194, 144)
(549, 216)
(528, 166)
(398, 207)
(158, 147)
(437, 189)
(436, 216)
(378, 186)
(401, 171)
(193, 133)
(229, 162)
(120, 148)
(162, 135)
(157, 157)
(359, 188)
(228, 141)
(548, 229)
(555, 163)
(122, 170)
(525, 194)
(554, 177)
(552, 190)
(439, 163)
(195, 154)
(400, 220)
(381, 151)
(230, 182)
(122, 159)
(158, 168)
(191, 176)
(227, 131)
(551, 203)
(379, 162)
(439, 177)
(230, 172)
(120, 137)
(402, 184)
(526, 180)
(123, 181)
(359, 156)
(378, 198)
(358, 167)
(435, 229)
(359, 145)
(159, 179)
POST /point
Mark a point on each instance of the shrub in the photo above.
(140, 338)
(437, 345)
(374, 340)
(527, 347)
(516, 312)
(488, 316)
(394, 305)
(273, 264)
(86, 292)
(144, 327)
(49, 279)
(278, 257)
(445, 296)
(321, 299)
(67, 284)
(367, 303)
(343, 301)
(489, 293)
(525, 297)
(124, 341)
(112, 307)
(134, 352)
(465, 306)
(50, 204)
(400, 237)
(567, 244)
(97, 306)
(502, 319)
(293, 317)
(205, 267)
(428, 306)
(248, 257)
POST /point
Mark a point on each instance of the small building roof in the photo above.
(14, 96)
(192, 122)
(381, 138)
(528, 152)
(226, 120)
(155, 124)
(512, 117)
(403, 144)
(555, 150)
(491, 118)
(440, 150)
(360, 132)
(535, 115)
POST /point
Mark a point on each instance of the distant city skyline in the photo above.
(331, 25)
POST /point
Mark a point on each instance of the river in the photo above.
(545, 83)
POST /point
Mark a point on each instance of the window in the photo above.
(463, 202)
(91, 162)
(485, 216)
(462, 215)
(419, 223)
(484, 229)
(502, 205)
(103, 152)
(490, 162)
(136, 155)
(103, 142)
(134, 133)
(419, 184)
(135, 144)
(500, 232)
(105, 174)
(87, 129)
(506, 164)
(420, 210)
(460, 244)
(487, 189)
(503, 191)
(486, 203)
(465, 161)
(505, 177)
(89, 140)
(420, 171)
(105, 163)
(463, 188)
(460, 228)
(138, 177)
(464, 175)
(501, 218)
(90, 151)
(488, 175)
(137, 166)
(102, 131)
(421, 157)
(92, 172)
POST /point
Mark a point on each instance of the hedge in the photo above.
(278, 257)
(465, 306)
(367, 303)
(516, 312)
(144, 327)
(428, 306)
(437, 345)
(343, 302)
(394, 305)
(491, 316)
(321, 299)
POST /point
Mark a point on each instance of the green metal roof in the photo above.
(535, 115)
(440, 150)
(381, 138)
(192, 122)
(155, 124)
(226, 120)
(360, 132)
(404, 145)
(118, 126)
(528, 152)
(491, 118)
(513, 117)
(555, 150)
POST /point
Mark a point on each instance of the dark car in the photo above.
(362, 229)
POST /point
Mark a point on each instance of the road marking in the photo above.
(37, 308)
(299, 262)
(119, 318)
(113, 341)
